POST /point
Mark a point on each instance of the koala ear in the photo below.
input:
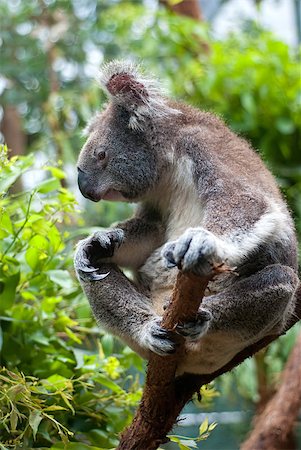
(140, 96)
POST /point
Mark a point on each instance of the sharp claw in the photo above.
(170, 265)
(87, 269)
(91, 275)
(100, 276)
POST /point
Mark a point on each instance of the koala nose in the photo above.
(84, 185)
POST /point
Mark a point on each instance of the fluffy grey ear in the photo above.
(128, 87)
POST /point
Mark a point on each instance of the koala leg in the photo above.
(117, 304)
(255, 306)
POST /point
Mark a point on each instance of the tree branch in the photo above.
(189, 8)
(274, 425)
(164, 395)
(160, 403)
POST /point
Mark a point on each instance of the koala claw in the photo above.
(195, 251)
(158, 340)
(103, 243)
(91, 275)
(94, 248)
(85, 271)
(192, 331)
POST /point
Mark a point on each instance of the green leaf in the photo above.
(13, 420)
(10, 173)
(57, 382)
(66, 400)
(56, 172)
(49, 185)
(247, 101)
(72, 335)
(8, 293)
(101, 437)
(108, 383)
(203, 427)
(39, 337)
(34, 420)
(6, 227)
(79, 357)
(285, 125)
(32, 257)
(187, 445)
(55, 408)
(212, 426)
(61, 277)
(1, 338)
(39, 241)
(183, 442)
(107, 342)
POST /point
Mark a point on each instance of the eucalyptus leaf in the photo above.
(34, 420)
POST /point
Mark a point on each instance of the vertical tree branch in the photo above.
(164, 395)
(14, 136)
(12, 130)
(265, 389)
(160, 403)
(276, 422)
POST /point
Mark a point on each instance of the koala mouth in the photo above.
(113, 196)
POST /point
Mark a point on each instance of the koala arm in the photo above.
(138, 237)
(236, 214)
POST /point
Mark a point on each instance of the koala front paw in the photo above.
(195, 251)
(158, 340)
(194, 330)
(90, 251)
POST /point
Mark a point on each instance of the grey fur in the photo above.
(204, 197)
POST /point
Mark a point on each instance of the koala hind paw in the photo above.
(194, 330)
(159, 340)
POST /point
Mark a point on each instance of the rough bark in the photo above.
(159, 406)
(164, 395)
(273, 427)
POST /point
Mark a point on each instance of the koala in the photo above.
(204, 197)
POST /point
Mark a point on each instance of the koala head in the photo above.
(119, 160)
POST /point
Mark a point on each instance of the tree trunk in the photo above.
(11, 128)
(192, 9)
(164, 395)
(14, 136)
(274, 427)
(189, 8)
(265, 389)
(160, 404)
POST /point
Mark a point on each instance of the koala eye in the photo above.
(102, 155)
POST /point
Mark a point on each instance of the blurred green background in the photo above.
(64, 384)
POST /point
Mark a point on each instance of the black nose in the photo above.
(84, 184)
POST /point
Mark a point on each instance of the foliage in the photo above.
(246, 377)
(185, 443)
(61, 378)
(251, 79)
